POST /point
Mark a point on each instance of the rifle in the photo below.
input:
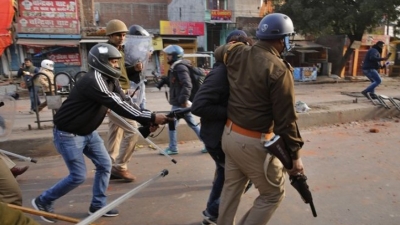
(277, 147)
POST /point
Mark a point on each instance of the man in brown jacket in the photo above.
(46, 67)
(261, 101)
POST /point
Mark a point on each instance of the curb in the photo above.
(348, 112)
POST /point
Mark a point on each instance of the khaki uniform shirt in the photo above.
(123, 79)
(262, 92)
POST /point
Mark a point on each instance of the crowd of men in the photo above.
(247, 98)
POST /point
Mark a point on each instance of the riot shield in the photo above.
(137, 49)
(7, 116)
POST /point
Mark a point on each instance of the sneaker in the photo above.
(208, 219)
(168, 151)
(111, 213)
(364, 93)
(204, 150)
(31, 112)
(39, 205)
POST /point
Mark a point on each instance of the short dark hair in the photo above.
(28, 59)
(380, 43)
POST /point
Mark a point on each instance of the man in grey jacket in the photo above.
(180, 88)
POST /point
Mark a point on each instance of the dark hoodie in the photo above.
(373, 58)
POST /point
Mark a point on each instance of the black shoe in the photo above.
(39, 205)
(364, 93)
(111, 213)
(208, 219)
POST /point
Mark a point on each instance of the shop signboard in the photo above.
(66, 58)
(221, 16)
(181, 28)
(48, 16)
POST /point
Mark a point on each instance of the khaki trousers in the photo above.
(9, 188)
(15, 217)
(121, 141)
(245, 158)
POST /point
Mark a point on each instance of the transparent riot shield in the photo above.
(137, 49)
(7, 116)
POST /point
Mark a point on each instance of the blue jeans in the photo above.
(375, 79)
(34, 91)
(191, 123)
(72, 148)
(215, 194)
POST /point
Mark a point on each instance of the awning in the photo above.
(305, 50)
(48, 42)
(94, 40)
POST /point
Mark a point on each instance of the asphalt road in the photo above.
(353, 175)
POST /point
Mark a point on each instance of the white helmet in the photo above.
(47, 64)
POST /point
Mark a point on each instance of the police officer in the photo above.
(121, 142)
(261, 102)
(137, 78)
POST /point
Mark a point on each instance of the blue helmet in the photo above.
(175, 50)
(275, 26)
(235, 33)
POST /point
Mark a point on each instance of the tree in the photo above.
(337, 17)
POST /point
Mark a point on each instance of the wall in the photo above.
(188, 10)
(249, 8)
(144, 13)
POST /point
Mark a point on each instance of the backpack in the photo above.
(197, 76)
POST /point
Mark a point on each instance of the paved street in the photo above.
(352, 173)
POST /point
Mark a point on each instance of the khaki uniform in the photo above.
(261, 102)
(121, 141)
(10, 216)
(9, 188)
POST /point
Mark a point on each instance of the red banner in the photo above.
(7, 13)
(66, 58)
(181, 28)
(49, 17)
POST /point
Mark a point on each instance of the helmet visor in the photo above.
(288, 44)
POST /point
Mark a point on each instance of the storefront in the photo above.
(179, 33)
(50, 30)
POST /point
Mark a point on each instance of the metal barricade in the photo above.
(78, 75)
(61, 86)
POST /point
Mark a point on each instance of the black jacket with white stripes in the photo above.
(87, 104)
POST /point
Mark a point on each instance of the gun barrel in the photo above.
(313, 209)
